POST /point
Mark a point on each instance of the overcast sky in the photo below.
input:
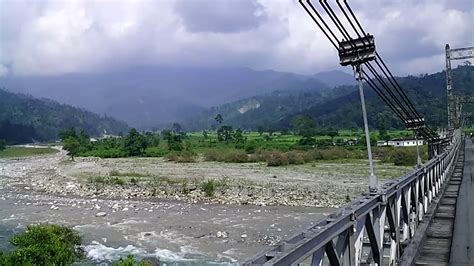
(55, 37)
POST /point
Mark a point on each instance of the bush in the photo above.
(250, 147)
(171, 156)
(186, 157)
(134, 180)
(131, 261)
(211, 155)
(209, 187)
(116, 181)
(3, 144)
(295, 157)
(44, 244)
(404, 158)
(277, 158)
(154, 152)
(235, 156)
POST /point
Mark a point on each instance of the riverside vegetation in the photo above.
(51, 244)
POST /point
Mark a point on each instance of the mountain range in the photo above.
(340, 107)
(153, 96)
(24, 119)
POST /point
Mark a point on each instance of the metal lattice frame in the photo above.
(454, 113)
(373, 229)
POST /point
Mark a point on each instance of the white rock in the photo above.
(100, 214)
(243, 236)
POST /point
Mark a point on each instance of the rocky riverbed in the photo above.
(161, 209)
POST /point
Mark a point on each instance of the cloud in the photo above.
(55, 37)
(220, 16)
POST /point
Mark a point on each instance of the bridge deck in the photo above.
(436, 248)
(462, 248)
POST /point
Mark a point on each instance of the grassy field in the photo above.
(10, 152)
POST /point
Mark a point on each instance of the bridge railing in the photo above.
(372, 229)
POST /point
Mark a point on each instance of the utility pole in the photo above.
(355, 52)
(373, 180)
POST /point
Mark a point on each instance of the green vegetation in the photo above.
(209, 187)
(44, 244)
(3, 144)
(131, 261)
(236, 146)
(24, 119)
(51, 244)
(13, 151)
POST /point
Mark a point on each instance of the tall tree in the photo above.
(72, 145)
(134, 143)
(219, 118)
(225, 133)
(3, 144)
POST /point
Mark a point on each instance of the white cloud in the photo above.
(54, 37)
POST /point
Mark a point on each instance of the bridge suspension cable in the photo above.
(379, 77)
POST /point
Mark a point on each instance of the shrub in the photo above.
(209, 187)
(250, 147)
(97, 179)
(3, 144)
(186, 157)
(154, 152)
(131, 261)
(277, 158)
(171, 156)
(114, 173)
(295, 157)
(116, 181)
(404, 157)
(134, 180)
(211, 155)
(44, 244)
(235, 156)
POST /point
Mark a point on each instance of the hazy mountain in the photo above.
(26, 119)
(340, 107)
(146, 97)
(335, 78)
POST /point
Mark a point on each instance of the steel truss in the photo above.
(373, 229)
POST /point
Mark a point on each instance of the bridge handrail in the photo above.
(372, 223)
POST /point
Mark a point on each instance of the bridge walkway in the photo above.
(436, 248)
(462, 248)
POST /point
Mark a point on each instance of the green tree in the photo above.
(177, 128)
(72, 145)
(3, 144)
(239, 139)
(70, 132)
(134, 143)
(225, 133)
(219, 118)
(44, 244)
(304, 126)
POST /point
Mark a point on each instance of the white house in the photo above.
(408, 142)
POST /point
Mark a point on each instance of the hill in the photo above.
(340, 107)
(25, 119)
(146, 97)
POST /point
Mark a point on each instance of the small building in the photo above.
(407, 142)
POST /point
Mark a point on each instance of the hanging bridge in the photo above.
(425, 217)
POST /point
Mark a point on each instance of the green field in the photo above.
(10, 152)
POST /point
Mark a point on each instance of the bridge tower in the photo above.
(454, 103)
